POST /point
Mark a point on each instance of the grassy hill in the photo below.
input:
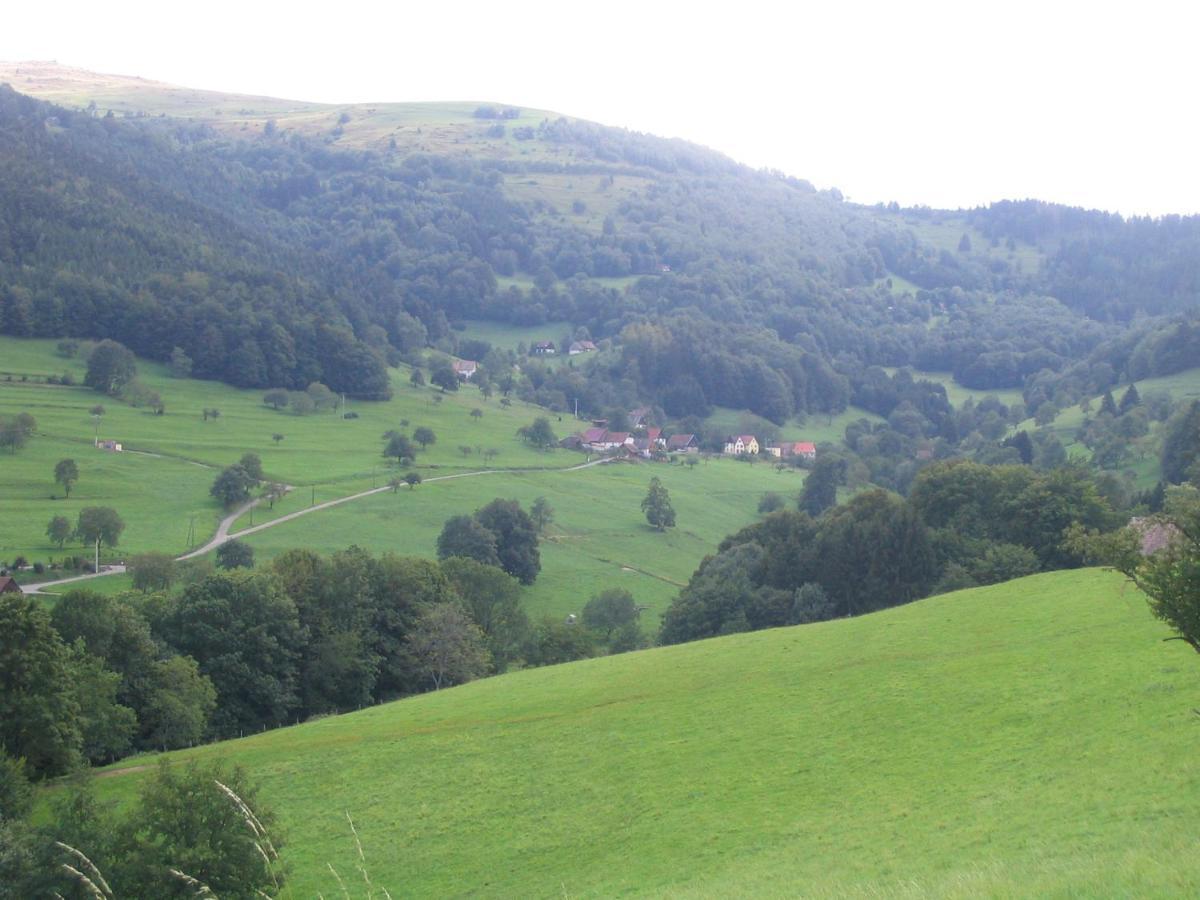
(1032, 738)
(159, 485)
(1182, 387)
(433, 127)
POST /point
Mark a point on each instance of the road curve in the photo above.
(223, 534)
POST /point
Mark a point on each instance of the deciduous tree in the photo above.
(657, 506)
(448, 647)
(66, 473)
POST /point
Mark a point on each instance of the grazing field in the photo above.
(945, 230)
(599, 538)
(818, 427)
(957, 394)
(1144, 463)
(508, 337)
(438, 127)
(159, 484)
(1034, 738)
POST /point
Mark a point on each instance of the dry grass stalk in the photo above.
(202, 889)
(362, 859)
(251, 819)
(85, 881)
(89, 865)
(341, 884)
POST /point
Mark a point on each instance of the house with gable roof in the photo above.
(740, 444)
(683, 443)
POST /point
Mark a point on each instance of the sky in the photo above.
(925, 103)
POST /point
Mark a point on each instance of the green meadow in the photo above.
(958, 394)
(1028, 739)
(1183, 388)
(599, 538)
(160, 483)
(818, 427)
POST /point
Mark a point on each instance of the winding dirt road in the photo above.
(223, 534)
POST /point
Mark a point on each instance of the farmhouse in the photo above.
(603, 439)
(465, 368)
(683, 443)
(637, 417)
(543, 348)
(8, 585)
(578, 347)
(803, 449)
(1154, 536)
(740, 444)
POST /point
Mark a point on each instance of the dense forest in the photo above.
(280, 259)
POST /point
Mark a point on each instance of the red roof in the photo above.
(616, 437)
(805, 447)
(653, 434)
(680, 440)
(594, 435)
(745, 438)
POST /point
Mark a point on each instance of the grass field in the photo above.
(507, 337)
(161, 482)
(599, 539)
(818, 427)
(957, 394)
(946, 230)
(1183, 388)
(436, 127)
(1028, 739)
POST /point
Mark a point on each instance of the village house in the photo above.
(114, 446)
(8, 585)
(741, 444)
(683, 443)
(603, 439)
(615, 439)
(803, 449)
(543, 348)
(465, 368)
(578, 347)
(637, 417)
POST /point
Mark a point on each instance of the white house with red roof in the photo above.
(803, 449)
(740, 444)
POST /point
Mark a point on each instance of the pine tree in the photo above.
(1108, 404)
(1130, 399)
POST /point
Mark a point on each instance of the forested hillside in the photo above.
(276, 252)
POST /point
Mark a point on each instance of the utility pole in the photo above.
(97, 568)
(314, 496)
(191, 538)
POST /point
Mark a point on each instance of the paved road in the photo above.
(41, 587)
(222, 534)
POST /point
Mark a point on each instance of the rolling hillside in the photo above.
(1032, 738)
(160, 484)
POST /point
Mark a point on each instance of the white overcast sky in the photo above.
(940, 103)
